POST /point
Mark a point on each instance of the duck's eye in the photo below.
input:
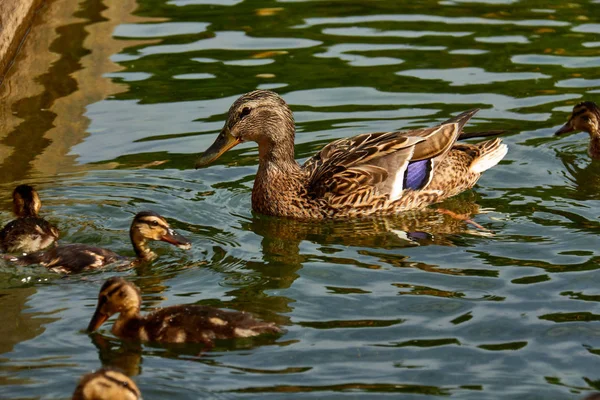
(154, 223)
(585, 118)
(245, 111)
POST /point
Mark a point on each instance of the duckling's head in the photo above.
(116, 296)
(261, 116)
(106, 384)
(585, 117)
(148, 225)
(26, 202)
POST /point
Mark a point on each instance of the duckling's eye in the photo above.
(245, 111)
(585, 118)
(103, 299)
(154, 223)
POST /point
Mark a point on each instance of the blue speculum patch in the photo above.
(417, 174)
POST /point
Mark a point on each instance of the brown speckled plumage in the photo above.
(70, 258)
(106, 384)
(176, 324)
(29, 232)
(456, 169)
(358, 176)
(585, 117)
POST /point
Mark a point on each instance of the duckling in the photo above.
(29, 232)
(106, 384)
(189, 323)
(68, 258)
(585, 117)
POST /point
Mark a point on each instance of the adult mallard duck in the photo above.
(29, 232)
(69, 258)
(585, 117)
(372, 173)
(106, 384)
(190, 323)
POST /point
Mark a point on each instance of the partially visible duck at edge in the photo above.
(106, 384)
(69, 258)
(585, 117)
(29, 232)
(372, 173)
(189, 323)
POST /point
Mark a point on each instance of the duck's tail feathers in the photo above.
(462, 118)
(491, 153)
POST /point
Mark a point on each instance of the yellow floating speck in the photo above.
(266, 12)
(267, 54)
(266, 76)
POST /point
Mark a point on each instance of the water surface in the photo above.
(418, 306)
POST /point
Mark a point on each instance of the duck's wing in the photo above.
(387, 161)
(202, 324)
(27, 234)
(70, 258)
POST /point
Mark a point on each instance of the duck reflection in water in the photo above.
(435, 225)
(124, 356)
(584, 176)
(282, 237)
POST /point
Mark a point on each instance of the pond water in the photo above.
(123, 96)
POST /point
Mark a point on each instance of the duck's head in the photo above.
(148, 225)
(261, 116)
(106, 384)
(585, 117)
(26, 201)
(116, 296)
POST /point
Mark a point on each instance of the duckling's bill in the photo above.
(97, 320)
(224, 142)
(566, 128)
(176, 239)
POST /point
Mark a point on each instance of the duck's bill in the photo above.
(224, 142)
(566, 128)
(176, 239)
(97, 320)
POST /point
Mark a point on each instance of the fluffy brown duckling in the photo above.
(106, 384)
(585, 117)
(29, 232)
(68, 258)
(189, 323)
